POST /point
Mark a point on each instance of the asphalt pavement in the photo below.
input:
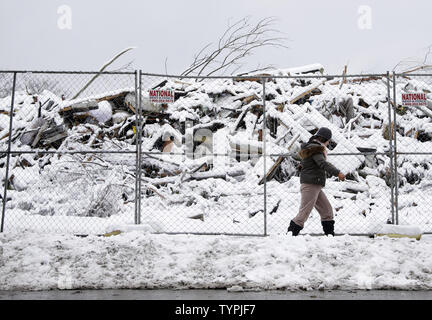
(166, 294)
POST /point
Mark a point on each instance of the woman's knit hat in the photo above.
(324, 133)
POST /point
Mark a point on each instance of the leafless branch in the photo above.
(101, 70)
(415, 64)
(127, 67)
(238, 41)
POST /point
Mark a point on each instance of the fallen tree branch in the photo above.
(106, 65)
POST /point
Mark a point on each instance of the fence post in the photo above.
(395, 150)
(390, 136)
(138, 147)
(264, 137)
(8, 153)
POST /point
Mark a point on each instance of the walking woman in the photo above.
(313, 170)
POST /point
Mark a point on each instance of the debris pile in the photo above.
(202, 154)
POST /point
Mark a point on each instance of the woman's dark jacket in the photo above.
(314, 165)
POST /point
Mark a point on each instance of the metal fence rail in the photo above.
(88, 152)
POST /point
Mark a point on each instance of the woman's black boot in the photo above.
(328, 227)
(294, 228)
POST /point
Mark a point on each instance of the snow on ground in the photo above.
(136, 259)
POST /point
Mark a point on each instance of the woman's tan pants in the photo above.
(312, 196)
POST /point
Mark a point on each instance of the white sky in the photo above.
(325, 32)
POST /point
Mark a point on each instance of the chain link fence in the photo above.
(412, 136)
(71, 156)
(89, 153)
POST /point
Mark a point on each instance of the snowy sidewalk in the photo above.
(31, 261)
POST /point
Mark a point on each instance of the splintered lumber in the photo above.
(113, 96)
(79, 107)
(269, 175)
(256, 78)
(308, 90)
(249, 99)
(350, 122)
(276, 207)
(182, 82)
(253, 213)
(28, 136)
(197, 217)
(55, 138)
(239, 119)
(366, 79)
(53, 131)
(196, 176)
(160, 84)
(39, 134)
(153, 189)
(5, 136)
(199, 167)
(131, 107)
(281, 138)
(417, 69)
(343, 77)
(214, 175)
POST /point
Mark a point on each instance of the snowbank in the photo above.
(135, 259)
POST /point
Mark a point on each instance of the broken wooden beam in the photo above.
(196, 176)
(343, 81)
(270, 174)
(113, 96)
(54, 138)
(308, 90)
(79, 107)
(239, 120)
(199, 216)
(255, 78)
(39, 134)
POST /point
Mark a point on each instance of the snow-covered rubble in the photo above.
(187, 189)
(137, 259)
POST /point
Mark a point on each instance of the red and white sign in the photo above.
(161, 95)
(414, 99)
